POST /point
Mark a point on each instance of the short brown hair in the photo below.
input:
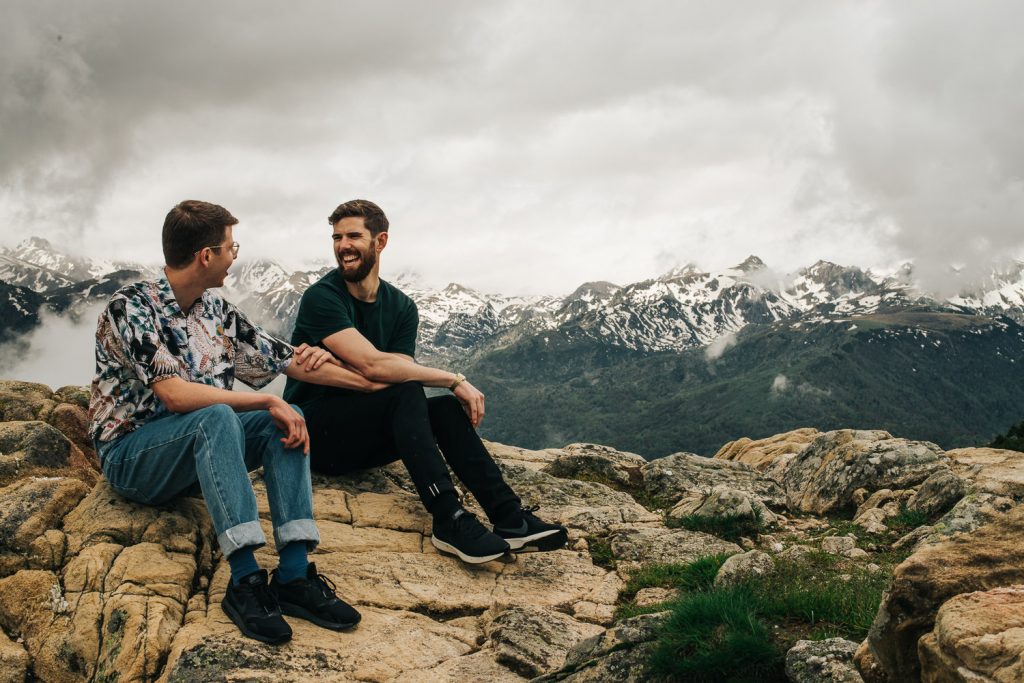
(373, 216)
(190, 226)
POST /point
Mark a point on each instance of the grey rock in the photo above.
(673, 477)
(31, 444)
(822, 661)
(666, 545)
(723, 501)
(619, 655)
(593, 462)
(826, 474)
(938, 493)
(531, 641)
(739, 568)
(971, 512)
(838, 545)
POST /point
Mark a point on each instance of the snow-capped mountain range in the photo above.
(684, 308)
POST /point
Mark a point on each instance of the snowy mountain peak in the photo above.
(751, 264)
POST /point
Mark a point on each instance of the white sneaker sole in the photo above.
(518, 542)
(449, 548)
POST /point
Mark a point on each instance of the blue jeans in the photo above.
(217, 447)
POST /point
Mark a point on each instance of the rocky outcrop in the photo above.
(977, 637)
(592, 462)
(619, 655)
(990, 470)
(989, 557)
(770, 455)
(825, 475)
(674, 477)
(723, 501)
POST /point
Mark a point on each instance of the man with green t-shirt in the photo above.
(370, 327)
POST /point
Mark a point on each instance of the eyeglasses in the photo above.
(234, 249)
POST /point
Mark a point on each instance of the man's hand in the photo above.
(311, 357)
(472, 401)
(292, 424)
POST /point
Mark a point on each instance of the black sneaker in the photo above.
(255, 611)
(462, 534)
(534, 534)
(313, 599)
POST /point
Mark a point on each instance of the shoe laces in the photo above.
(468, 523)
(326, 587)
(264, 597)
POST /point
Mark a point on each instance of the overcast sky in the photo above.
(524, 147)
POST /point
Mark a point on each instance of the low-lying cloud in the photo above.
(60, 351)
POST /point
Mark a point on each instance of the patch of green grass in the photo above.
(741, 633)
(695, 576)
(728, 527)
(601, 552)
(907, 520)
(717, 637)
(843, 601)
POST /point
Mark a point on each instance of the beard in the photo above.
(367, 260)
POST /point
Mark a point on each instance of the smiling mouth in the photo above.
(349, 259)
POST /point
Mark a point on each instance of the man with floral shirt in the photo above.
(164, 419)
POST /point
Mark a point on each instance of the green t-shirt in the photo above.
(389, 323)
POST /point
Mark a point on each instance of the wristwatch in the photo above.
(459, 379)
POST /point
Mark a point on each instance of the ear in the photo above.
(382, 241)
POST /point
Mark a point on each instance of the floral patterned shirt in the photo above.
(143, 337)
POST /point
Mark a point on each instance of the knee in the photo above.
(219, 414)
(409, 392)
(444, 405)
(298, 410)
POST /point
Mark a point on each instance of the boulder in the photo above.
(970, 512)
(646, 597)
(531, 641)
(514, 455)
(671, 478)
(25, 401)
(989, 557)
(977, 637)
(938, 493)
(824, 476)
(838, 545)
(591, 462)
(739, 568)
(770, 455)
(990, 470)
(659, 545)
(723, 501)
(73, 422)
(587, 507)
(30, 446)
(73, 394)
(13, 661)
(619, 655)
(29, 509)
(822, 661)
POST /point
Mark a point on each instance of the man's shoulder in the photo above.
(141, 292)
(399, 298)
(326, 285)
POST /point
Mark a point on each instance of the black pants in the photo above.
(354, 431)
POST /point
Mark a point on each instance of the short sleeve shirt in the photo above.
(143, 337)
(389, 323)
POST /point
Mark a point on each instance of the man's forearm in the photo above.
(181, 396)
(392, 369)
(331, 375)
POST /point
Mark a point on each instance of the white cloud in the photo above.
(780, 384)
(525, 146)
(719, 345)
(60, 351)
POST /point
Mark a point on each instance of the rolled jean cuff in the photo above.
(242, 535)
(297, 530)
